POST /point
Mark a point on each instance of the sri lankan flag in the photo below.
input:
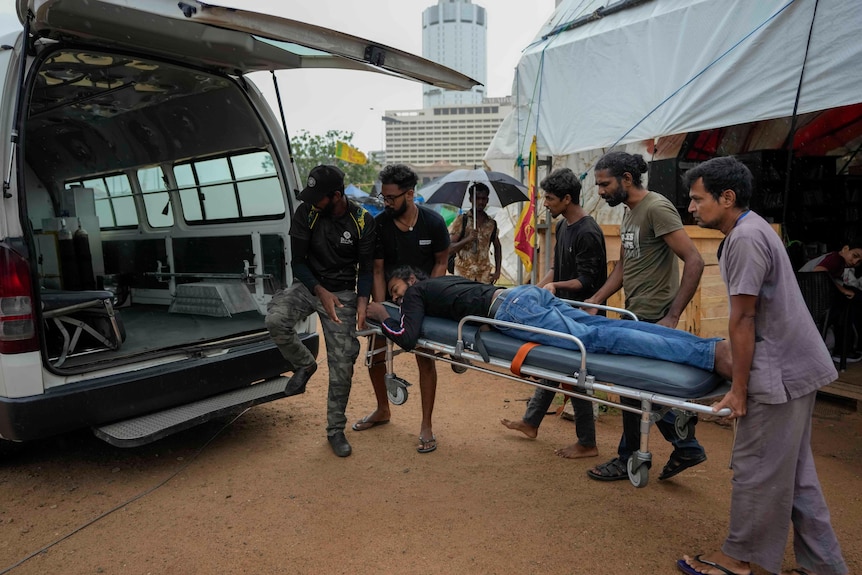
(525, 233)
(346, 152)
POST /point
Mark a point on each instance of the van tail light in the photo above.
(17, 321)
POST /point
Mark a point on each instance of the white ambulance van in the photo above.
(146, 203)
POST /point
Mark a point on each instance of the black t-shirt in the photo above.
(450, 297)
(580, 254)
(333, 250)
(415, 248)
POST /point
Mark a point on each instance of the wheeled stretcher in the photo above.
(473, 343)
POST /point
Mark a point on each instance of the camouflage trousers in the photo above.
(291, 306)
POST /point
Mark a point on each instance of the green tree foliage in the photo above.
(310, 150)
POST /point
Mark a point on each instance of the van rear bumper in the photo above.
(127, 395)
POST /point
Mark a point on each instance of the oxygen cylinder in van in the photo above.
(68, 261)
(81, 241)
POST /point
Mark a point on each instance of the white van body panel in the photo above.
(21, 375)
(141, 134)
(10, 224)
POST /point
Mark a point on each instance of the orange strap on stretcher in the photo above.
(521, 356)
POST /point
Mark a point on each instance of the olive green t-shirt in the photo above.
(650, 271)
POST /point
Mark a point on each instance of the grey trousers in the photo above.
(289, 307)
(585, 423)
(775, 484)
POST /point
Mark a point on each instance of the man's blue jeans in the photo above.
(536, 307)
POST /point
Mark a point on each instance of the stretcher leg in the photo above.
(396, 387)
(640, 461)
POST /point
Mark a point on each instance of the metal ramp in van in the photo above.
(151, 427)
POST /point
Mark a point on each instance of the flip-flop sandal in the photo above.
(676, 464)
(689, 570)
(612, 470)
(363, 424)
(427, 445)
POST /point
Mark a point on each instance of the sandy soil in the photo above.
(265, 494)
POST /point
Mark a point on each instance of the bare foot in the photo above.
(577, 451)
(716, 564)
(524, 428)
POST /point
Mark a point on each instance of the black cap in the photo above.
(322, 181)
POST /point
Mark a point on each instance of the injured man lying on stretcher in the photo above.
(454, 297)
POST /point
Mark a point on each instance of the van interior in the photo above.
(155, 205)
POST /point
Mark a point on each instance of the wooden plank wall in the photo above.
(707, 313)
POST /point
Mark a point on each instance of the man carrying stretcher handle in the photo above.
(454, 297)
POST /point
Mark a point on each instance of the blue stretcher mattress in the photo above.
(651, 375)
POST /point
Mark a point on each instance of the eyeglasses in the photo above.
(391, 199)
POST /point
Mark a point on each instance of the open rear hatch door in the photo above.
(233, 41)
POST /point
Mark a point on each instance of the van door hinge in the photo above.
(375, 55)
(188, 9)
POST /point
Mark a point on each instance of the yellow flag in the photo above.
(346, 152)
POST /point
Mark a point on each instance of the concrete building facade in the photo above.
(453, 136)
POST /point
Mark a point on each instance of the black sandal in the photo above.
(612, 470)
(677, 464)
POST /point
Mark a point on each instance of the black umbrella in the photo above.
(452, 188)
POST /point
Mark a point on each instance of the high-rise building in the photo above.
(454, 34)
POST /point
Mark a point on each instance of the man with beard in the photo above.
(580, 268)
(652, 238)
(332, 250)
(407, 234)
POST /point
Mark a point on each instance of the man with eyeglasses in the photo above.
(332, 251)
(407, 234)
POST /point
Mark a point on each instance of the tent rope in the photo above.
(791, 135)
(534, 98)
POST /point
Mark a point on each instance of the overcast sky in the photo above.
(352, 101)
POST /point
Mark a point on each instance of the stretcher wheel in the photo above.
(458, 368)
(397, 396)
(640, 476)
(396, 389)
(680, 425)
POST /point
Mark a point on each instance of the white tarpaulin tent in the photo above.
(651, 68)
(604, 73)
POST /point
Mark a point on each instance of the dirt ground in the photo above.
(264, 494)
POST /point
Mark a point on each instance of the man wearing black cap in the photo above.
(332, 251)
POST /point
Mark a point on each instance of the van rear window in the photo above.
(226, 188)
(237, 187)
(115, 205)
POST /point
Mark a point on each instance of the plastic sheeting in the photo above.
(666, 67)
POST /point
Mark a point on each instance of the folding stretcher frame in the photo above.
(660, 386)
(61, 307)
